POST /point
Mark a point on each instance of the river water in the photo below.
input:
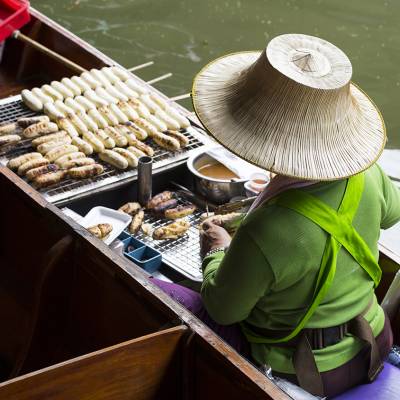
(180, 36)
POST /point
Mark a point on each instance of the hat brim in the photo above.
(316, 159)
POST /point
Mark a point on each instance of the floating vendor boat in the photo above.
(79, 320)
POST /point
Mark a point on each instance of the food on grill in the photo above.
(137, 222)
(108, 115)
(49, 138)
(61, 88)
(44, 169)
(139, 132)
(44, 98)
(44, 148)
(74, 105)
(148, 150)
(122, 118)
(130, 157)
(63, 108)
(70, 156)
(77, 162)
(101, 231)
(104, 94)
(126, 90)
(108, 141)
(136, 152)
(87, 120)
(167, 142)
(160, 209)
(24, 122)
(98, 118)
(53, 93)
(78, 123)
(135, 86)
(183, 121)
(71, 86)
(159, 198)
(107, 71)
(52, 111)
(130, 208)
(182, 139)
(99, 76)
(83, 145)
(60, 151)
(90, 80)
(41, 128)
(49, 179)
(80, 83)
(149, 103)
(66, 125)
(31, 101)
(94, 98)
(141, 109)
(94, 141)
(119, 139)
(229, 221)
(115, 159)
(147, 229)
(85, 103)
(147, 126)
(85, 171)
(16, 162)
(160, 125)
(10, 128)
(25, 167)
(180, 211)
(168, 120)
(172, 231)
(120, 73)
(116, 93)
(9, 139)
(128, 110)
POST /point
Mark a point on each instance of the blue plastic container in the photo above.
(132, 244)
(124, 235)
(146, 258)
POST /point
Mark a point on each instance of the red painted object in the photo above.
(13, 15)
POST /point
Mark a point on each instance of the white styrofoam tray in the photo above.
(103, 215)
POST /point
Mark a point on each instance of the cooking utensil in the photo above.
(234, 206)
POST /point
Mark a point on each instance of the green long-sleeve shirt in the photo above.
(267, 276)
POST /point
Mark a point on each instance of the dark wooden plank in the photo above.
(137, 369)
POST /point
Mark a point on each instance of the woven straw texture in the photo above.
(291, 109)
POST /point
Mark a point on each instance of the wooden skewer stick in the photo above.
(181, 97)
(160, 78)
(140, 66)
(70, 64)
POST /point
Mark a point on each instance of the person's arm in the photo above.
(233, 283)
(391, 194)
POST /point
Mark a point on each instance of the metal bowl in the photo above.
(218, 191)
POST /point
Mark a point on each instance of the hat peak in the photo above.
(310, 62)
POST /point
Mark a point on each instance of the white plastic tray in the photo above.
(104, 215)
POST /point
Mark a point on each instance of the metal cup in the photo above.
(145, 167)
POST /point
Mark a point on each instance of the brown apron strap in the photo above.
(360, 328)
(306, 369)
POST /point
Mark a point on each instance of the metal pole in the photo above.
(145, 167)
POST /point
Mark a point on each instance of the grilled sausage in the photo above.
(77, 162)
(98, 118)
(128, 110)
(147, 126)
(31, 101)
(9, 139)
(168, 120)
(8, 129)
(94, 141)
(180, 211)
(167, 142)
(136, 152)
(137, 222)
(60, 151)
(24, 122)
(130, 208)
(108, 115)
(158, 123)
(65, 124)
(83, 145)
(18, 161)
(44, 148)
(130, 157)
(115, 159)
(172, 231)
(160, 198)
(41, 128)
(119, 139)
(70, 156)
(85, 171)
(25, 167)
(142, 147)
(44, 169)
(139, 132)
(49, 138)
(161, 208)
(108, 142)
(49, 179)
(182, 139)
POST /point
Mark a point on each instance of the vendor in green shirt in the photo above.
(299, 274)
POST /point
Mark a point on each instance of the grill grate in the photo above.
(181, 254)
(11, 109)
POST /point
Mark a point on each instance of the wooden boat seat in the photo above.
(385, 387)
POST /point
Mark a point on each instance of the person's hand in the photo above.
(212, 236)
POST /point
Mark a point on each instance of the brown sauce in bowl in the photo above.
(217, 171)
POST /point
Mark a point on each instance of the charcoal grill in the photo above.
(13, 108)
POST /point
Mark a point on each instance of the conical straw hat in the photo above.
(291, 109)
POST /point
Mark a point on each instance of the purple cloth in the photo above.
(385, 387)
(191, 300)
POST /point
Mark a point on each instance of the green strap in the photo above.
(341, 232)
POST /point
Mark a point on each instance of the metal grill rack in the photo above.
(12, 108)
(181, 254)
